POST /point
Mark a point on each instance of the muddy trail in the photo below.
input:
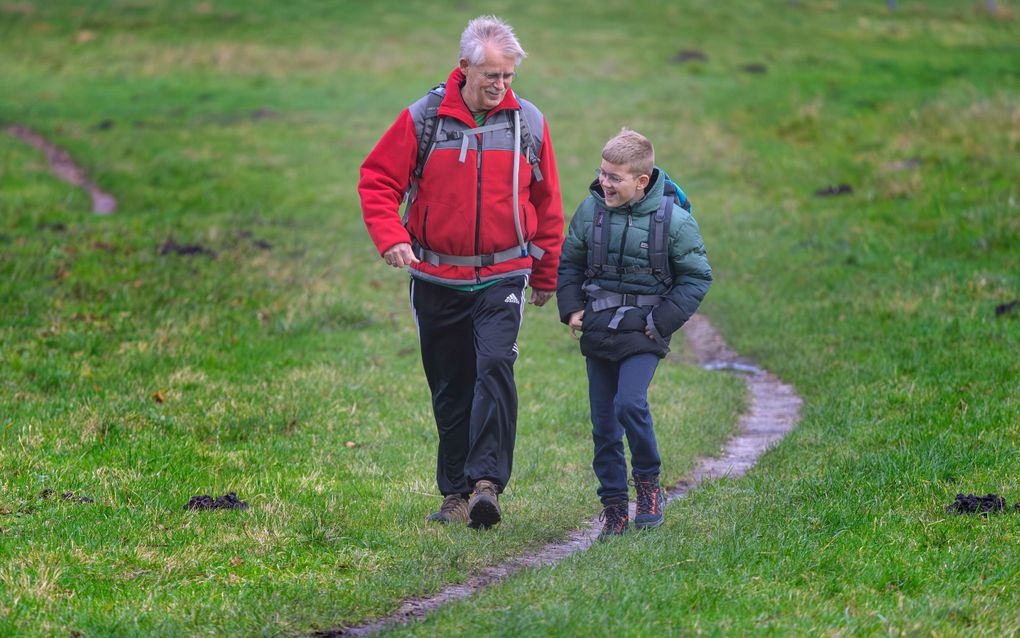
(64, 168)
(773, 410)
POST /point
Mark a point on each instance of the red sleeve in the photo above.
(545, 197)
(385, 175)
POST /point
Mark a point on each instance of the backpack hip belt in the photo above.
(479, 261)
(606, 300)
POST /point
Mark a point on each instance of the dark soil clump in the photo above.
(831, 191)
(972, 504)
(225, 502)
(754, 69)
(1006, 308)
(690, 55)
(170, 246)
(69, 496)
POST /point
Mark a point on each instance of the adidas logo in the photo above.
(511, 298)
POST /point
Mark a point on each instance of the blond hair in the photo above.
(631, 149)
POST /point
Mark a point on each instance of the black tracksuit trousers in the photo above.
(468, 349)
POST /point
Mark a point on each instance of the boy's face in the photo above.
(620, 185)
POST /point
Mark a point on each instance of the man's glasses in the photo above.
(494, 77)
(612, 178)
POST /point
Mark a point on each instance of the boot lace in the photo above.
(451, 504)
(614, 517)
(649, 495)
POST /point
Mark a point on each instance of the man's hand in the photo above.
(575, 322)
(539, 297)
(400, 255)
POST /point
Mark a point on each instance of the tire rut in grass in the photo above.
(773, 411)
(64, 168)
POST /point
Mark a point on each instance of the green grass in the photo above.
(878, 306)
(240, 127)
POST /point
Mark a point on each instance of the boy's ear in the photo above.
(642, 181)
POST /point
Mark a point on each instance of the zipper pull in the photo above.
(630, 219)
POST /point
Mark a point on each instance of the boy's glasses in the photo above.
(612, 178)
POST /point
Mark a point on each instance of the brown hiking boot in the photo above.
(453, 510)
(483, 506)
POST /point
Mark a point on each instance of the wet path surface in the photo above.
(64, 167)
(773, 410)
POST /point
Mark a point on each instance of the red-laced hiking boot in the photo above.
(650, 502)
(615, 520)
(453, 510)
(483, 506)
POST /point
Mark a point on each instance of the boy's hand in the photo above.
(575, 322)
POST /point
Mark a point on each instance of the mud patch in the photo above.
(774, 410)
(689, 55)
(70, 496)
(973, 504)
(1011, 307)
(755, 69)
(172, 247)
(225, 502)
(834, 190)
(64, 168)
(67, 496)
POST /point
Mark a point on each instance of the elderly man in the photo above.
(483, 221)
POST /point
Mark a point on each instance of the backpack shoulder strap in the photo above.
(532, 120)
(431, 124)
(658, 240)
(598, 246)
(427, 126)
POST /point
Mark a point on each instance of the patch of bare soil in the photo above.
(225, 502)
(973, 504)
(833, 190)
(172, 247)
(64, 168)
(774, 410)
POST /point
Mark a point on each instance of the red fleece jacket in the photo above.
(464, 208)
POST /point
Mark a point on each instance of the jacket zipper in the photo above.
(424, 222)
(478, 208)
(623, 239)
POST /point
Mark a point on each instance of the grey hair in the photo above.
(486, 30)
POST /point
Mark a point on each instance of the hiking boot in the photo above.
(453, 510)
(483, 506)
(650, 501)
(615, 520)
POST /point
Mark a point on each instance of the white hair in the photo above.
(486, 30)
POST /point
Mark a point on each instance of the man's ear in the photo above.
(463, 66)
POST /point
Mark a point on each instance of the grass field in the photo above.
(240, 127)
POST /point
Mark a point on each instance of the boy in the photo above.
(627, 303)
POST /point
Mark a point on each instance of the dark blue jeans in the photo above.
(618, 391)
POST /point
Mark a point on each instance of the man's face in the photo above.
(487, 83)
(620, 186)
